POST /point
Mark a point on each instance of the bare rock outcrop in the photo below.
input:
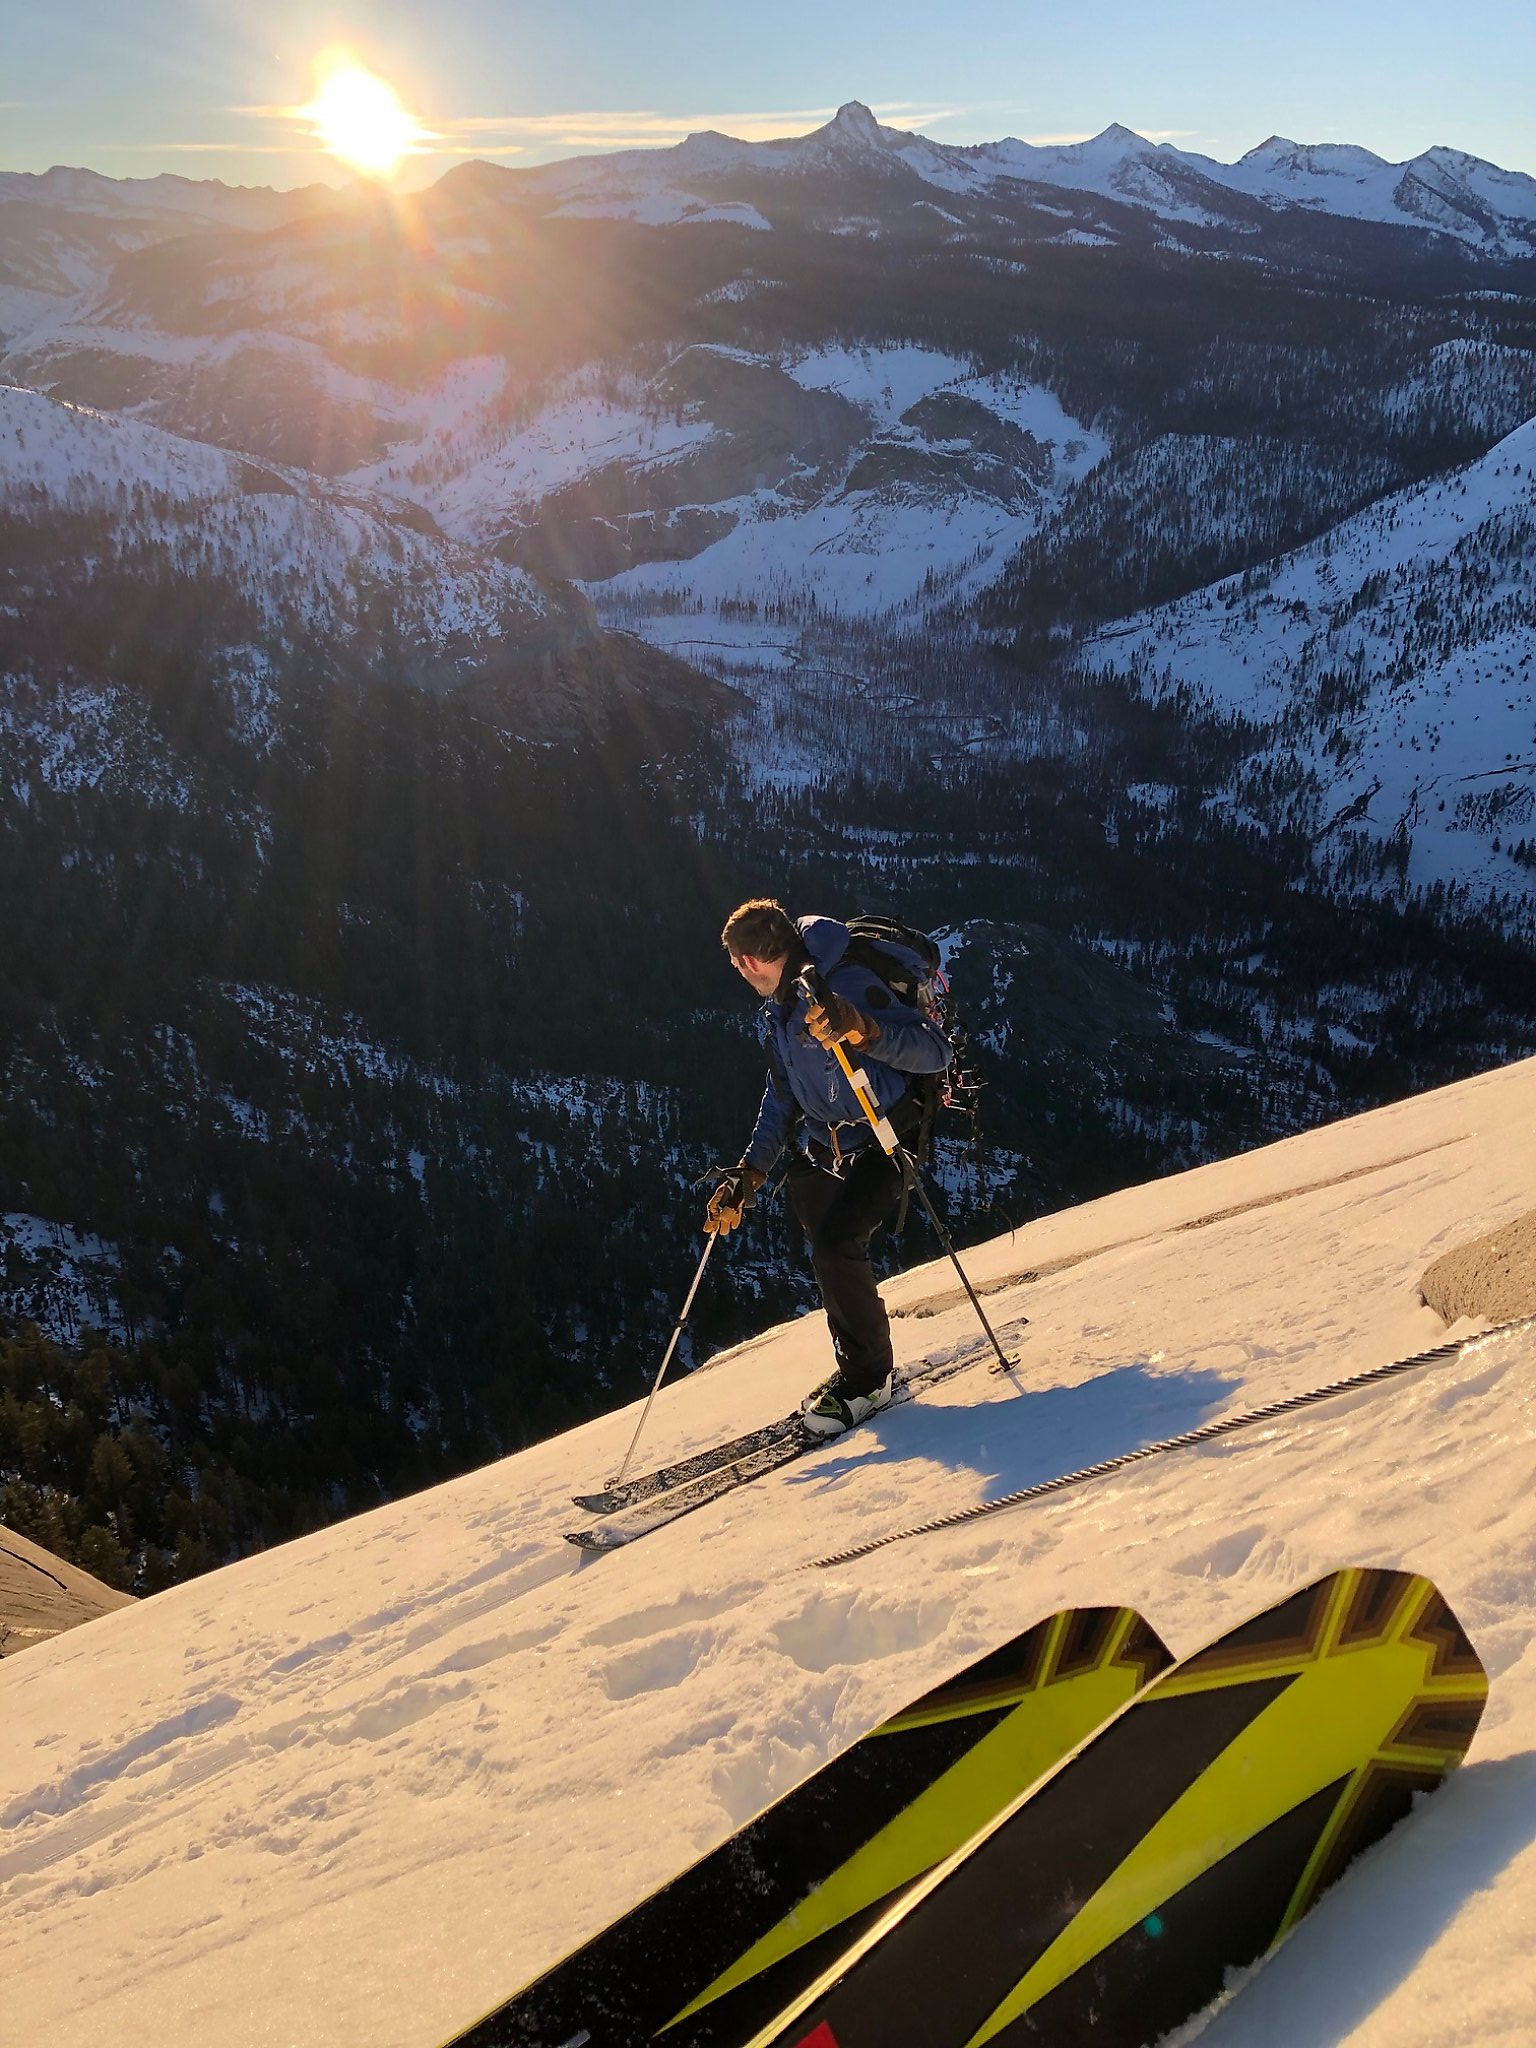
(1493, 1277)
(41, 1595)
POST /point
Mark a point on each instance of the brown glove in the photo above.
(732, 1199)
(832, 1020)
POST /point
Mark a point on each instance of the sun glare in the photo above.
(358, 117)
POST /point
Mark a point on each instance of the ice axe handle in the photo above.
(808, 982)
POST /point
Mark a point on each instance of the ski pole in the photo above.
(677, 1331)
(911, 1179)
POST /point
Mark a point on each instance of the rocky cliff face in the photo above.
(41, 1596)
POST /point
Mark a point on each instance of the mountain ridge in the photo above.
(1447, 189)
(1316, 176)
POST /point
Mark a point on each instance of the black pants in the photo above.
(840, 1213)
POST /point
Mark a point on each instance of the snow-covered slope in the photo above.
(290, 544)
(127, 540)
(61, 231)
(41, 1595)
(863, 479)
(274, 392)
(359, 1788)
(1441, 188)
(957, 471)
(1391, 666)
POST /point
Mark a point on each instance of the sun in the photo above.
(358, 117)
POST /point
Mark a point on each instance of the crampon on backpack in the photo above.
(911, 965)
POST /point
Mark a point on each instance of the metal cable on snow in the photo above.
(1203, 1435)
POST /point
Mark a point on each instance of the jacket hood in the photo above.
(826, 940)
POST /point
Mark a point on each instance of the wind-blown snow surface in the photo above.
(358, 1789)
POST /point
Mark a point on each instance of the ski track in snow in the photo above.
(361, 1787)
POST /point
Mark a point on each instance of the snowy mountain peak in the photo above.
(70, 184)
(854, 138)
(1285, 158)
(1462, 164)
(1115, 140)
(1511, 193)
(853, 126)
(1271, 150)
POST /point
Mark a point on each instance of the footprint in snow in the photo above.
(853, 1628)
(655, 1666)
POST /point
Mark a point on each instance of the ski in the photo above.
(781, 1443)
(629, 1493)
(1179, 1843)
(705, 1960)
(645, 1486)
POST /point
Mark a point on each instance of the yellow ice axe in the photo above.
(911, 1180)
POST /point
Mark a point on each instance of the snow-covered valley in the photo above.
(360, 1787)
(717, 486)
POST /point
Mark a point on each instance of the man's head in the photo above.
(759, 935)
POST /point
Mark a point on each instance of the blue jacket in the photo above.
(805, 1076)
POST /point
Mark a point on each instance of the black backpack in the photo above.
(911, 966)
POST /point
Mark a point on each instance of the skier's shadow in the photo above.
(1043, 1434)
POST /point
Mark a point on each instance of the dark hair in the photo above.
(760, 927)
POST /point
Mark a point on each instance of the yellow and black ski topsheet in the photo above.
(708, 1959)
(1182, 1840)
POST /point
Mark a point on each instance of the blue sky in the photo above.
(201, 86)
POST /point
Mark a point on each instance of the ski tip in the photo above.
(598, 1503)
(595, 1540)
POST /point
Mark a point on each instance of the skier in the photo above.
(841, 1184)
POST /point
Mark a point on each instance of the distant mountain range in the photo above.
(205, 202)
(1444, 191)
(731, 388)
(62, 230)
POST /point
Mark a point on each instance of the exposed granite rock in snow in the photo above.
(1493, 1277)
(41, 1596)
